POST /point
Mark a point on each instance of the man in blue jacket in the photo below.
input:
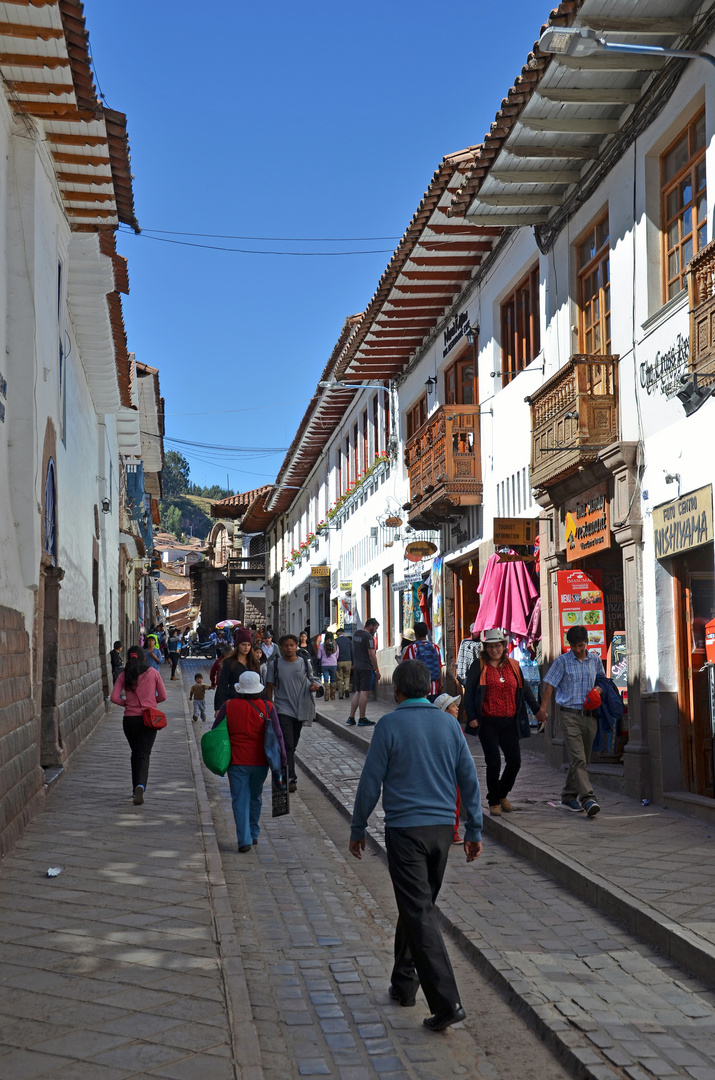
(418, 756)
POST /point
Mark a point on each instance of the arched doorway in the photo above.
(49, 622)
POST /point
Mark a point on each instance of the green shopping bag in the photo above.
(216, 749)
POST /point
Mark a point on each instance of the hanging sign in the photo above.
(581, 604)
(455, 332)
(419, 549)
(588, 524)
(320, 571)
(510, 531)
(684, 523)
(346, 586)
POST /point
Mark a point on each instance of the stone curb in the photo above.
(567, 1055)
(694, 954)
(247, 1059)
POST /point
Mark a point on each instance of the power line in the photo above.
(254, 251)
(286, 239)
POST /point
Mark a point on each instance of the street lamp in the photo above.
(579, 41)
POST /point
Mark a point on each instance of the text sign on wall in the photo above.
(515, 531)
(664, 371)
(320, 571)
(581, 604)
(683, 523)
(454, 332)
(588, 525)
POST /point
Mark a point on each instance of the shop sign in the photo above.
(581, 604)
(320, 571)
(664, 371)
(346, 586)
(511, 531)
(588, 524)
(454, 332)
(419, 549)
(407, 582)
(683, 523)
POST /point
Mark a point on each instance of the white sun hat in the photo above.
(249, 683)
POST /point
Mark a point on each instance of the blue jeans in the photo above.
(246, 782)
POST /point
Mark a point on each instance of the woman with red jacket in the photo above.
(138, 687)
(246, 719)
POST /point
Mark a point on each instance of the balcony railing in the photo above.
(701, 296)
(443, 459)
(248, 568)
(573, 416)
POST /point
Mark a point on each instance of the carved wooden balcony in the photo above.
(443, 459)
(250, 568)
(701, 296)
(573, 416)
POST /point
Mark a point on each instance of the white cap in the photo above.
(249, 683)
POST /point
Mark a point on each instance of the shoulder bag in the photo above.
(154, 718)
(216, 749)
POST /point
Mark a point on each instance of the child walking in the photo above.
(197, 694)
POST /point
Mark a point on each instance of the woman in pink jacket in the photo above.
(138, 687)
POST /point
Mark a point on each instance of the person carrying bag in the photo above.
(139, 689)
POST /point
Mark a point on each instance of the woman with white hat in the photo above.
(494, 702)
(408, 638)
(246, 719)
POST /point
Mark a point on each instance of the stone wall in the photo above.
(21, 778)
(80, 699)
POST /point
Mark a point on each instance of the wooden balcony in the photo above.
(443, 459)
(239, 569)
(701, 296)
(573, 416)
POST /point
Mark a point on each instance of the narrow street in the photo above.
(160, 951)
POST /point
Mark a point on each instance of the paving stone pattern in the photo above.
(112, 970)
(619, 1006)
(317, 953)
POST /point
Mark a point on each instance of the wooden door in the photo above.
(466, 602)
(695, 606)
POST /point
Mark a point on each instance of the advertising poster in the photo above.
(437, 612)
(581, 604)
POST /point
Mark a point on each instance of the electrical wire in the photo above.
(286, 239)
(226, 449)
(253, 251)
(253, 408)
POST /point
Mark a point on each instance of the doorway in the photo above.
(694, 582)
(466, 601)
(51, 738)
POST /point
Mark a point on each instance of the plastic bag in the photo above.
(216, 749)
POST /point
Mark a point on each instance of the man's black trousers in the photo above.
(417, 859)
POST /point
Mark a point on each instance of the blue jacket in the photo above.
(418, 756)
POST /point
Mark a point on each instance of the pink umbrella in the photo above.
(507, 593)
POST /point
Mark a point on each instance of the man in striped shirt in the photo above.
(572, 675)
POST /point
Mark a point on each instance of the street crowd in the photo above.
(419, 759)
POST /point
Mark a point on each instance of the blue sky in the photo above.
(281, 120)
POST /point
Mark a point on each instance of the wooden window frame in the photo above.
(365, 441)
(695, 158)
(375, 408)
(601, 257)
(520, 326)
(454, 372)
(416, 416)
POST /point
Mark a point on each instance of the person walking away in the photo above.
(197, 693)
(408, 638)
(365, 672)
(246, 717)
(115, 659)
(428, 653)
(345, 663)
(138, 687)
(174, 647)
(450, 705)
(328, 660)
(154, 658)
(234, 665)
(418, 756)
(573, 675)
(163, 642)
(289, 684)
(493, 699)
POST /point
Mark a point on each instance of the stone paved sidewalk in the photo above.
(650, 867)
(124, 966)
(616, 1005)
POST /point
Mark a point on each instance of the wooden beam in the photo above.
(512, 220)
(457, 260)
(452, 245)
(656, 24)
(427, 313)
(567, 124)
(89, 212)
(593, 95)
(535, 176)
(30, 33)
(536, 198)
(541, 150)
(418, 301)
(608, 61)
(55, 89)
(25, 60)
(76, 140)
(83, 178)
(79, 159)
(62, 110)
(459, 230)
(86, 196)
(437, 275)
(437, 290)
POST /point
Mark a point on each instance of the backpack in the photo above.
(427, 653)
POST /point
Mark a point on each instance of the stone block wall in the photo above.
(21, 778)
(80, 698)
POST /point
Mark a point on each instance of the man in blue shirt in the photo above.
(418, 756)
(573, 675)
